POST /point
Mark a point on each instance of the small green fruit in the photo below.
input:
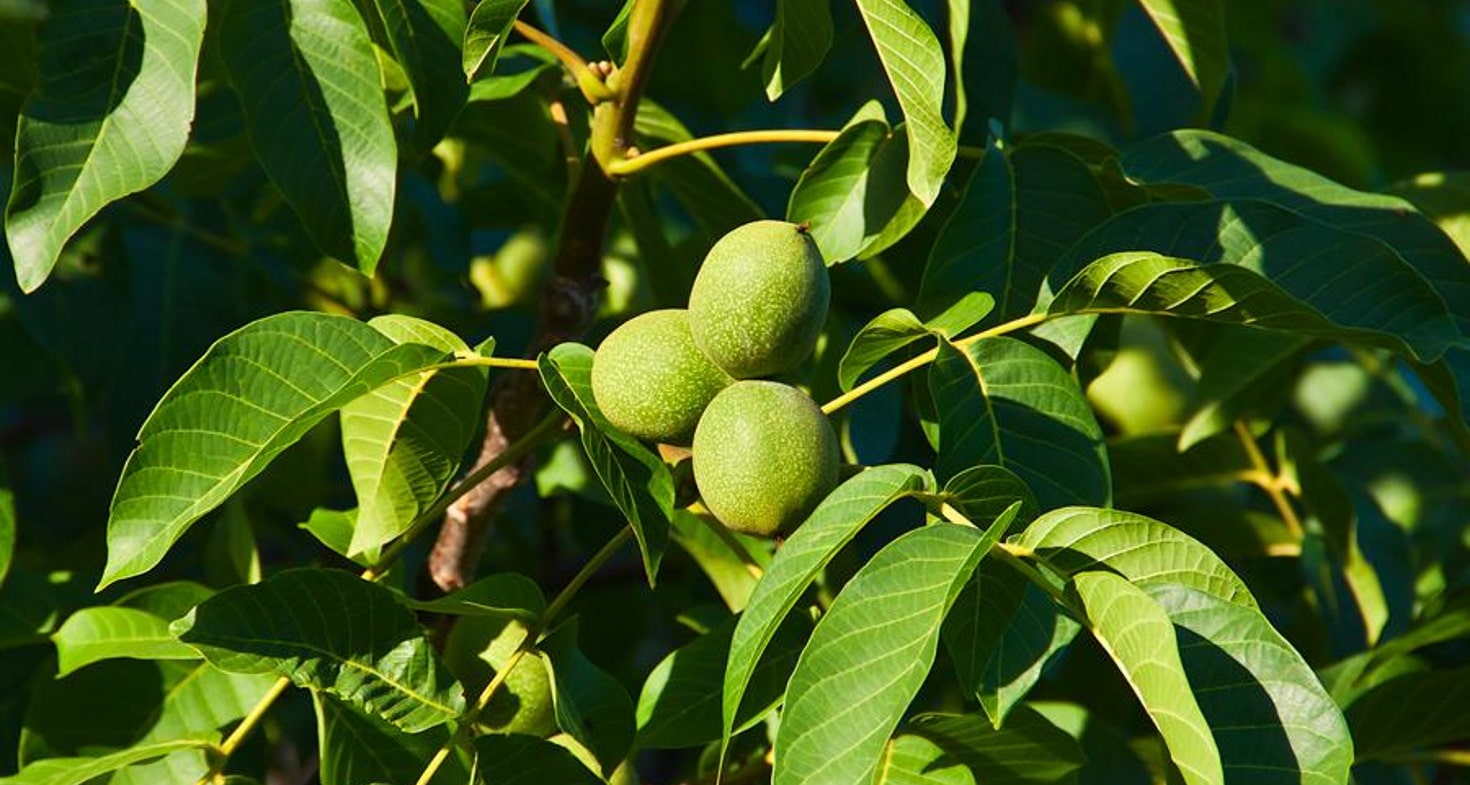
(651, 381)
(477, 648)
(759, 299)
(764, 455)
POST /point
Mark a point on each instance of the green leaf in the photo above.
(1443, 198)
(333, 528)
(1029, 749)
(1147, 283)
(680, 702)
(253, 394)
(110, 117)
(1270, 716)
(1000, 634)
(1327, 268)
(1021, 210)
(1138, 636)
(331, 631)
(506, 595)
(1140, 549)
(1195, 30)
(204, 699)
(7, 525)
(915, 65)
(894, 329)
(853, 193)
(698, 181)
(725, 567)
(591, 706)
(914, 760)
(359, 748)
(837, 519)
(798, 41)
(1233, 372)
(425, 37)
(1230, 169)
(77, 771)
(1411, 711)
(404, 440)
(1007, 403)
(313, 102)
(485, 35)
(984, 493)
(871, 652)
(518, 759)
(93, 634)
(636, 479)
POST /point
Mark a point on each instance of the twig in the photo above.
(1268, 481)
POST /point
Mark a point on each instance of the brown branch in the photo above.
(568, 305)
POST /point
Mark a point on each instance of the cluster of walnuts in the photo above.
(764, 454)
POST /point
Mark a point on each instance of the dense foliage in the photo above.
(1148, 353)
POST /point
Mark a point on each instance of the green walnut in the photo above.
(477, 648)
(764, 455)
(759, 299)
(651, 381)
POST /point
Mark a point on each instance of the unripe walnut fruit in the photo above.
(764, 456)
(759, 299)
(651, 381)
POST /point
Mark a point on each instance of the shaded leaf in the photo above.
(1021, 210)
(984, 493)
(725, 568)
(425, 37)
(484, 37)
(1141, 549)
(1001, 633)
(636, 479)
(1233, 373)
(93, 634)
(517, 759)
(680, 702)
(871, 652)
(1411, 711)
(110, 117)
(359, 748)
(7, 525)
(331, 631)
(1029, 749)
(404, 440)
(313, 102)
(1138, 636)
(204, 699)
(798, 41)
(835, 521)
(1271, 718)
(1195, 30)
(252, 395)
(1004, 402)
(701, 185)
(591, 705)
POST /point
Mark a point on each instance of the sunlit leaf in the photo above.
(1141, 549)
(331, 631)
(914, 760)
(255, 393)
(76, 771)
(504, 595)
(636, 479)
(894, 329)
(110, 117)
(1139, 637)
(313, 101)
(7, 525)
(485, 35)
(871, 652)
(404, 440)
(93, 634)
(837, 519)
(1270, 716)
